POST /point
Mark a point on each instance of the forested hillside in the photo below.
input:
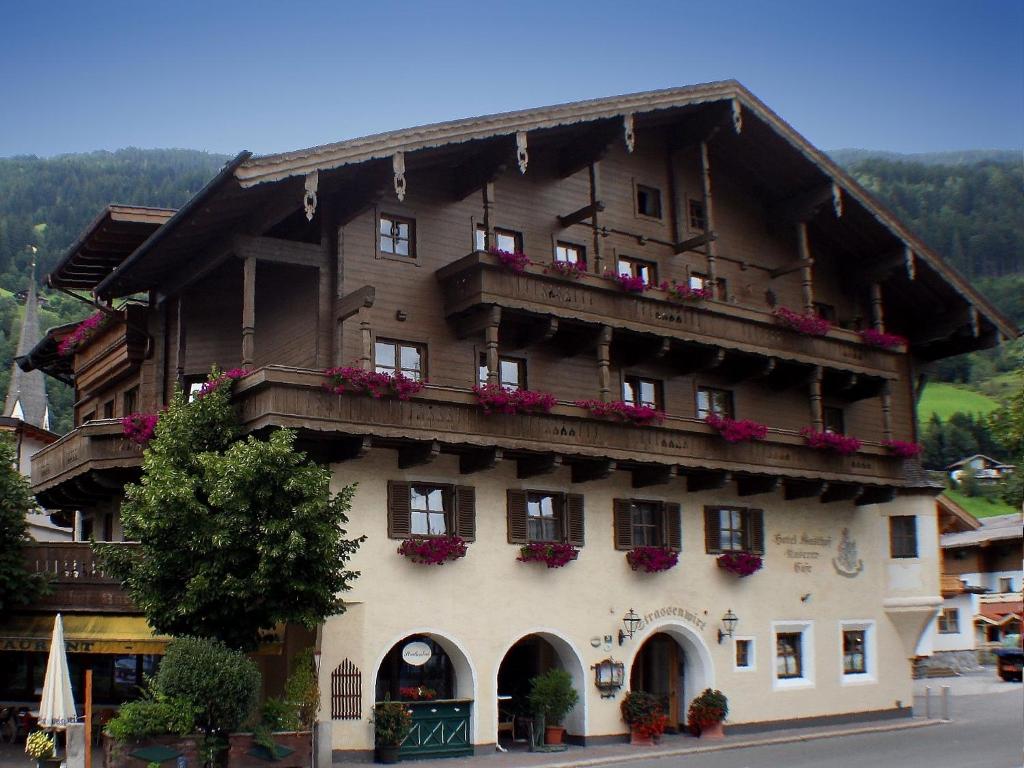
(968, 205)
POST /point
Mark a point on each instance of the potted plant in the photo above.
(391, 724)
(552, 695)
(41, 748)
(706, 714)
(643, 713)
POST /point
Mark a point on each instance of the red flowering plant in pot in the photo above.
(740, 563)
(623, 411)
(706, 714)
(643, 713)
(678, 293)
(494, 398)
(568, 269)
(433, 550)
(514, 260)
(809, 324)
(903, 449)
(844, 445)
(140, 428)
(417, 693)
(84, 331)
(874, 338)
(652, 559)
(350, 378)
(629, 283)
(554, 554)
(733, 431)
(218, 379)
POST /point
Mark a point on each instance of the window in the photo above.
(733, 529)
(130, 401)
(903, 536)
(833, 420)
(858, 644)
(714, 401)
(794, 654)
(648, 201)
(638, 268)
(641, 523)
(826, 311)
(640, 391)
(397, 235)
(90, 416)
(700, 280)
(1006, 584)
(393, 357)
(544, 516)
(504, 239)
(511, 372)
(697, 215)
(431, 509)
(108, 409)
(854, 661)
(949, 621)
(429, 506)
(744, 658)
(571, 253)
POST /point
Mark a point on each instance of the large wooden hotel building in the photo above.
(731, 331)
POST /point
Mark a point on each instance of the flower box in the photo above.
(417, 693)
(349, 378)
(514, 260)
(902, 448)
(568, 269)
(622, 411)
(652, 559)
(140, 427)
(495, 398)
(629, 283)
(293, 749)
(740, 563)
(118, 754)
(436, 550)
(844, 445)
(881, 339)
(733, 431)
(233, 375)
(552, 554)
(84, 331)
(679, 294)
(809, 324)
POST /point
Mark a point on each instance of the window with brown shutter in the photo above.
(516, 510)
(755, 531)
(465, 512)
(431, 509)
(733, 529)
(673, 526)
(647, 523)
(545, 516)
(622, 510)
(574, 519)
(399, 514)
(712, 530)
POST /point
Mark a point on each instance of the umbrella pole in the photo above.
(88, 717)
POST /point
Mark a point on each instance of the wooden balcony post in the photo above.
(604, 343)
(877, 316)
(491, 339)
(179, 346)
(595, 196)
(709, 212)
(887, 411)
(326, 291)
(249, 312)
(817, 414)
(806, 268)
(488, 195)
(366, 339)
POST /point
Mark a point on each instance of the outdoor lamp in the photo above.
(630, 621)
(609, 675)
(729, 622)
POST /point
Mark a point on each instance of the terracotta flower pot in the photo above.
(553, 734)
(636, 740)
(389, 755)
(712, 731)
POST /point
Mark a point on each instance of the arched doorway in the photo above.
(532, 655)
(672, 662)
(416, 668)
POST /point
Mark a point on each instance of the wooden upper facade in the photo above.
(351, 253)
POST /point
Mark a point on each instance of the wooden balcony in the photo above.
(479, 280)
(76, 578)
(114, 353)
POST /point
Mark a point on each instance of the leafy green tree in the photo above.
(17, 586)
(235, 535)
(1008, 426)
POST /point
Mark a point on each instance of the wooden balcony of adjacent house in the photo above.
(699, 334)
(77, 583)
(114, 353)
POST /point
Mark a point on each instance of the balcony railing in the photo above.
(94, 446)
(76, 578)
(479, 279)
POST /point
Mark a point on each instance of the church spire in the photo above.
(26, 394)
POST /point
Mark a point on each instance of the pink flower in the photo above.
(733, 431)
(495, 398)
(570, 269)
(652, 559)
(84, 331)
(679, 293)
(831, 441)
(434, 550)
(629, 283)
(139, 427)
(740, 563)
(350, 378)
(515, 260)
(880, 339)
(553, 554)
(809, 324)
(623, 411)
(903, 449)
(233, 375)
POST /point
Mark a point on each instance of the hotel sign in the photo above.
(416, 653)
(685, 614)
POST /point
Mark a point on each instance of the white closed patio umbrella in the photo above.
(57, 707)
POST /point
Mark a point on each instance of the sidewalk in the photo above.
(671, 745)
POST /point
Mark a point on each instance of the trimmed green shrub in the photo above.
(154, 715)
(552, 695)
(302, 689)
(278, 715)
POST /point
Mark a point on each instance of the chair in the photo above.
(8, 725)
(506, 724)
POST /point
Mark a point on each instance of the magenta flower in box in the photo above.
(809, 324)
(350, 378)
(553, 554)
(902, 448)
(140, 428)
(495, 398)
(623, 411)
(733, 431)
(740, 563)
(570, 269)
(629, 283)
(881, 339)
(844, 445)
(84, 331)
(233, 375)
(678, 293)
(652, 559)
(434, 550)
(514, 260)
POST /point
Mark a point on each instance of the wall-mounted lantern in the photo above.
(729, 622)
(630, 621)
(609, 676)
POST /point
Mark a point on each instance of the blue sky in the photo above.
(223, 76)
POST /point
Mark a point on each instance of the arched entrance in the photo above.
(672, 663)
(532, 655)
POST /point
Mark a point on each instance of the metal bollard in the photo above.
(928, 702)
(945, 703)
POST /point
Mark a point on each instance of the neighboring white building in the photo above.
(984, 468)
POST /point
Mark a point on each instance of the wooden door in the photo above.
(657, 670)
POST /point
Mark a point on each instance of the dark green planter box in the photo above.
(439, 729)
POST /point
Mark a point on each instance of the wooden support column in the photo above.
(806, 267)
(491, 340)
(366, 339)
(887, 411)
(817, 413)
(180, 345)
(709, 213)
(673, 197)
(326, 294)
(877, 312)
(488, 197)
(604, 344)
(249, 312)
(595, 198)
